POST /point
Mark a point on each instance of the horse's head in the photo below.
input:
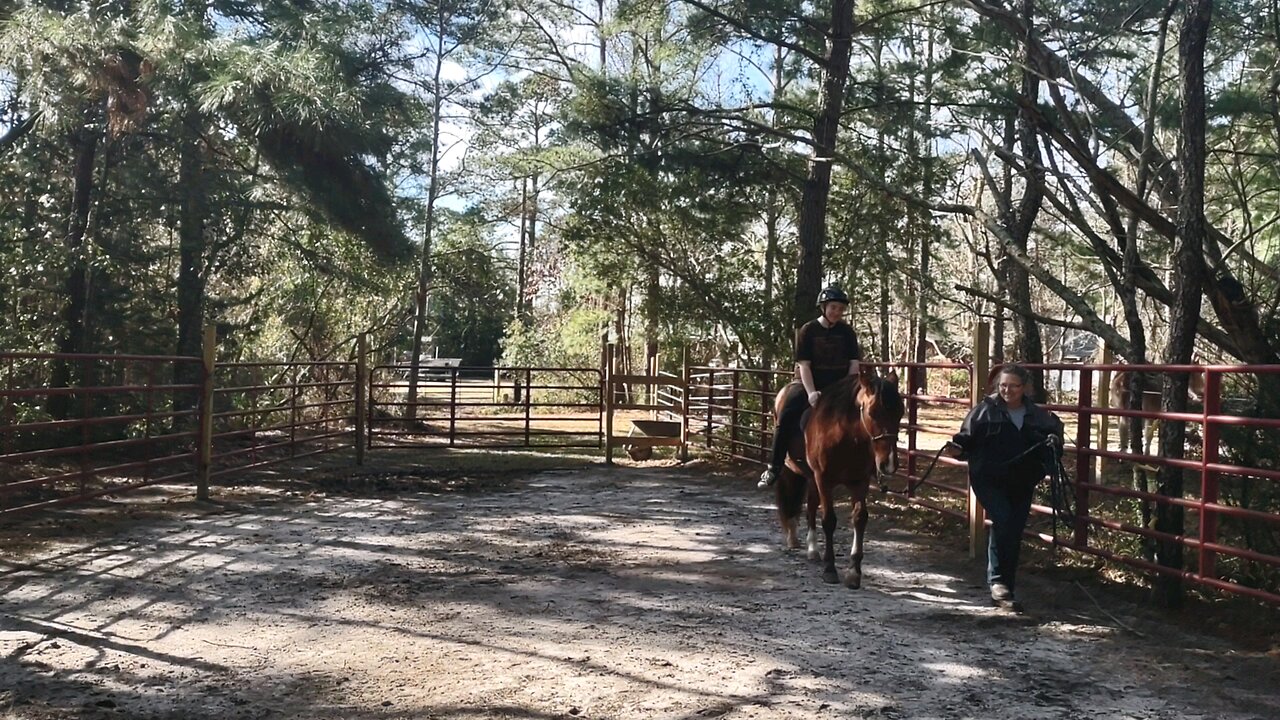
(881, 408)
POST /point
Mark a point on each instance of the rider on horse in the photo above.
(826, 350)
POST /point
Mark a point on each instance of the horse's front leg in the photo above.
(829, 573)
(854, 578)
(811, 512)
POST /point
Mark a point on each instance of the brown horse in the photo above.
(1151, 402)
(849, 438)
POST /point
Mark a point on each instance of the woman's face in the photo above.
(834, 312)
(1011, 388)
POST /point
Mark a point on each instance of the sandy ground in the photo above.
(653, 592)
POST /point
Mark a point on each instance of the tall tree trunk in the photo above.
(1188, 286)
(773, 217)
(1030, 348)
(1128, 288)
(193, 217)
(652, 308)
(811, 225)
(84, 143)
(428, 230)
(926, 237)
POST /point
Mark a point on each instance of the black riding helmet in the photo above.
(831, 293)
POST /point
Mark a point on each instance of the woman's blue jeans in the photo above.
(1008, 505)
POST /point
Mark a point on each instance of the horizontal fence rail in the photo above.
(504, 407)
(266, 413)
(78, 427)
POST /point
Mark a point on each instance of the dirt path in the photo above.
(627, 593)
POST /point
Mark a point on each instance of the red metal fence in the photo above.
(124, 425)
(505, 407)
(125, 422)
(1232, 505)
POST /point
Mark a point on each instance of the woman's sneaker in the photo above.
(767, 479)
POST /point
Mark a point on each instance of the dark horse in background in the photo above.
(849, 438)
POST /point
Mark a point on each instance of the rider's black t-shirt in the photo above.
(828, 350)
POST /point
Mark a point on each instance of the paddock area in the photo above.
(551, 586)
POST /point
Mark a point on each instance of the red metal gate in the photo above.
(505, 407)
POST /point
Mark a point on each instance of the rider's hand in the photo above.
(813, 397)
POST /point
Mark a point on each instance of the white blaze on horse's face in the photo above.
(882, 414)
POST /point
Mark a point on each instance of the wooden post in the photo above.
(362, 372)
(978, 389)
(453, 405)
(204, 461)
(684, 409)
(1080, 535)
(608, 404)
(711, 391)
(1104, 421)
(1208, 478)
(654, 387)
(528, 406)
(766, 411)
(734, 417)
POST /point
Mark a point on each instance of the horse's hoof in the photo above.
(830, 576)
(814, 556)
(852, 581)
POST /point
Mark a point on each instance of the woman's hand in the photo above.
(813, 397)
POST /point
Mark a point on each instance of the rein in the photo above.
(1061, 487)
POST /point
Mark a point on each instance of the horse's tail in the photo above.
(790, 494)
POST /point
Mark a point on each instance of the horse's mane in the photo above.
(843, 394)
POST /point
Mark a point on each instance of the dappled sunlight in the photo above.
(626, 596)
(949, 673)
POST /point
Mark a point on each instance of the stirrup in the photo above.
(767, 479)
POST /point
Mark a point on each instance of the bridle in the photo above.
(864, 418)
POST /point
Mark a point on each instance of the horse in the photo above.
(850, 437)
(1119, 400)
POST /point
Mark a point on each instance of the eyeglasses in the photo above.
(1010, 386)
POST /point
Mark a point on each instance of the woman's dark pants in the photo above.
(794, 403)
(1008, 505)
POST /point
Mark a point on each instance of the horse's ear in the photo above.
(866, 374)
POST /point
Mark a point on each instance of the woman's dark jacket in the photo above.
(992, 443)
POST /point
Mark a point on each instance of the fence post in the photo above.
(453, 405)
(204, 459)
(978, 388)
(711, 390)
(734, 417)
(362, 371)
(766, 411)
(528, 406)
(913, 418)
(653, 386)
(293, 412)
(1083, 425)
(1104, 420)
(1212, 433)
(608, 404)
(684, 409)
